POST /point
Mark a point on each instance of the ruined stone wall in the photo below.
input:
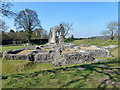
(72, 58)
(43, 58)
(98, 52)
(13, 55)
(53, 34)
(16, 57)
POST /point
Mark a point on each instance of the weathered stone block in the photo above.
(30, 48)
(43, 58)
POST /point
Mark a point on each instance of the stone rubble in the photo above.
(52, 52)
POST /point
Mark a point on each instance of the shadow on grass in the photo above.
(106, 70)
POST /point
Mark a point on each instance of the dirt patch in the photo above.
(65, 52)
(45, 48)
(25, 52)
(89, 48)
(69, 49)
(43, 53)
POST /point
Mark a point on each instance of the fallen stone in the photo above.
(98, 60)
(83, 45)
(77, 47)
(103, 66)
(81, 68)
(110, 47)
(94, 46)
(108, 71)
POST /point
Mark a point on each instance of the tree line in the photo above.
(27, 25)
(22, 35)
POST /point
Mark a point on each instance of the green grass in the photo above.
(28, 74)
(95, 42)
(67, 77)
(9, 48)
(23, 66)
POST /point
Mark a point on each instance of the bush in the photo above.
(69, 40)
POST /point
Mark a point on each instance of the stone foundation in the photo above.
(59, 54)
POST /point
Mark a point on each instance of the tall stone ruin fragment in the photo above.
(56, 34)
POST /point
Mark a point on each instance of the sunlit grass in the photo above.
(67, 77)
(9, 48)
(95, 42)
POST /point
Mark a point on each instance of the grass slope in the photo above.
(95, 42)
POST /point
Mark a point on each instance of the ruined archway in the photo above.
(56, 34)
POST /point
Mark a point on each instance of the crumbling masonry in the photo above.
(57, 52)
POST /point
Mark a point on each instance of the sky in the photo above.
(88, 18)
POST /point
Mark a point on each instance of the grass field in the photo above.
(95, 75)
(28, 74)
(9, 48)
(95, 42)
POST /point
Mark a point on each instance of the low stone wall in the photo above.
(72, 58)
(110, 47)
(43, 58)
(13, 52)
(15, 57)
(98, 52)
(57, 58)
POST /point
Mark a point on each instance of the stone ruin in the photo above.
(57, 52)
(53, 37)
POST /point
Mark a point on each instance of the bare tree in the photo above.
(37, 33)
(44, 34)
(4, 36)
(20, 35)
(5, 11)
(5, 8)
(105, 33)
(112, 29)
(12, 34)
(67, 27)
(27, 20)
(3, 26)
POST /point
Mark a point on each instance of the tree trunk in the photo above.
(29, 39)
(112, 36)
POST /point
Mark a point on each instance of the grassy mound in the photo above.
(95, 42)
